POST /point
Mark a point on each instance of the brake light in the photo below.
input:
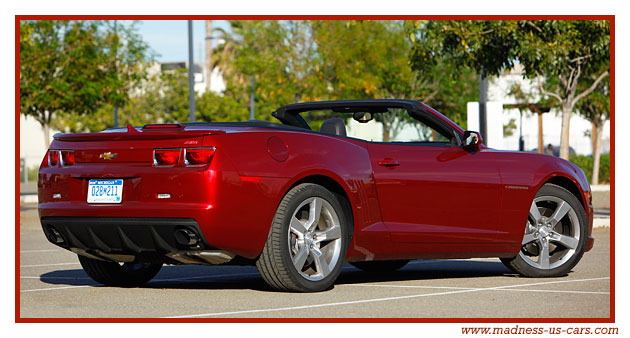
(198, 156)
(166, 157)
(67, 157)
(163, 126)
(53, 157)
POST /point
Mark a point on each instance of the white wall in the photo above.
(494, 121)
(32, 143)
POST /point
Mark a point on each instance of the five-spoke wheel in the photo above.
(314, 238)
(555, 234)
(307, 242)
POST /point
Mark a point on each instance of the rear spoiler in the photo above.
(148, 132)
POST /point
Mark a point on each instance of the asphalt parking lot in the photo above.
(52, 284)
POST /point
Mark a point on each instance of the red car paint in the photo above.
(407, 201)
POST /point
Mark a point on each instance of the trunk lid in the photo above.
(131, 146)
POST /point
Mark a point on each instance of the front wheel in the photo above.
(116, 274)
(307, 242)
(555, 235)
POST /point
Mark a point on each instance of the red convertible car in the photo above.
(375, 183)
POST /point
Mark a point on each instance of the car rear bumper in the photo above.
(232, 215)
(134, 239)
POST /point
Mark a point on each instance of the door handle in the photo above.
(389, 162)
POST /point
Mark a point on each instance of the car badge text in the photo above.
(107, 155)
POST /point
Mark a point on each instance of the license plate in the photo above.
(105, 191)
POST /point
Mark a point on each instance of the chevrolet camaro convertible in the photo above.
(375, 183)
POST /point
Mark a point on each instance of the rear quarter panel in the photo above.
(264, 180)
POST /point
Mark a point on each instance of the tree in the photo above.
(162, 97)
(531, 100)
(278, 54)
(72, 69)
(369, 59)
(213, 107)
(59, 69)
(127, 59)
(569, 51)
(596, 108)
(566, 50)
(297, 61)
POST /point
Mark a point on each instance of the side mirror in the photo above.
(472, 140)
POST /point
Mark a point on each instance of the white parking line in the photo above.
(377, 299)
(45, 277)
(560, 291)
(40, 265)
(60, 288)
(471, 288)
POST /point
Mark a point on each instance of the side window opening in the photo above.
(394, 125)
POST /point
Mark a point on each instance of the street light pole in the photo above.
(191, 80)
(483, 98)
(521, 141)
(116, 70)
(208, 53)
(252, 97)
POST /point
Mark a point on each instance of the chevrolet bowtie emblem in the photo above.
(107, 155)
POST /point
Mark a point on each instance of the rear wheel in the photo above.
(380, 266)
(117, 274)
(307, 242)
(555, 235)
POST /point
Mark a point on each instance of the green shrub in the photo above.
(32, 174)
(586, 163)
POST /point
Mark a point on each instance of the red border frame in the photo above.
(19, 319)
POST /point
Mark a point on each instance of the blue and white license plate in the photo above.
(105, 191)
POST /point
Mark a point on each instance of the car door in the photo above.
(436, 193)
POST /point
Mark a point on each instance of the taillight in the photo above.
(53, 157)
(166, 157)
(198, 156)
(67, 157)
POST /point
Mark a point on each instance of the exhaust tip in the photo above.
(186, 237)
(54, 235)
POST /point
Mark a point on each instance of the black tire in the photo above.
(115, 274)
(276, 264)
(519, 263)
(380, 266)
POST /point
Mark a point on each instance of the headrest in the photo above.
(334, 126)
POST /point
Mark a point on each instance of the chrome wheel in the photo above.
(552, 233)
(307, 241)
(314, 239)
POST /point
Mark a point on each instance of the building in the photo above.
(203, 82)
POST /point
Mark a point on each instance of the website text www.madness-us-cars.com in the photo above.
(540, 330)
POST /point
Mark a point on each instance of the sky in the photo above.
(169, 38)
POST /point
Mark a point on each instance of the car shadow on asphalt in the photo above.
(429, 270)
(247, 277)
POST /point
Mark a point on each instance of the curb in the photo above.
(601, 223)
(30, 198)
